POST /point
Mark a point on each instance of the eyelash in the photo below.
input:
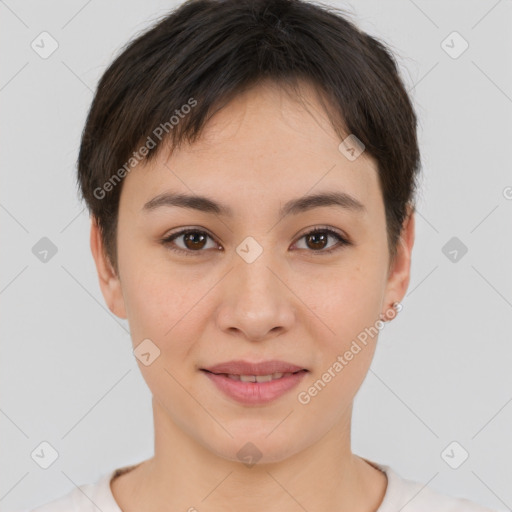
(342, 241)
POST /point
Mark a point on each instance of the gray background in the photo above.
(442, 368)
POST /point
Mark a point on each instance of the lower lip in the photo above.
(254, 393)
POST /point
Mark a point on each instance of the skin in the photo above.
(291, 303)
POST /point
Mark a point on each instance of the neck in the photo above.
(184, 475)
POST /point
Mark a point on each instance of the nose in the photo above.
(256, 302)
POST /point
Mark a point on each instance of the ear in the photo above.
(109, 281)
(400, 268)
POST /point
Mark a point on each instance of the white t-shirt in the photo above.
(401, 495)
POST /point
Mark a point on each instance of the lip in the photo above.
(254, 393)
(240, 367)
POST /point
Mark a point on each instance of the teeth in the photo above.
(263, 378)
(258, 378)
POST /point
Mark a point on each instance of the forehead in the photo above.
(265, 145)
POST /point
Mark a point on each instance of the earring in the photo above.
(397, 306)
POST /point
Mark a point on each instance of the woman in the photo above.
(250, 168)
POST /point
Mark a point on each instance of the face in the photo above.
(248, 280)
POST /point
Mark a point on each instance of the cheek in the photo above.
(346, 298)
(348, 303)
(349, 306)
(150, 308)
(163, 304)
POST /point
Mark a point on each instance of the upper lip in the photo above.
(240, 367)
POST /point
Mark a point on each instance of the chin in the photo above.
(251, 446)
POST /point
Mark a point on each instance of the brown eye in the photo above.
(317, 240)
(192, 240)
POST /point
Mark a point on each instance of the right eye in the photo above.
(193, 240)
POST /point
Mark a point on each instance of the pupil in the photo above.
(315, 237)
(193, 238)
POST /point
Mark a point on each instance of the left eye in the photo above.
(195, 240)
(318, 239)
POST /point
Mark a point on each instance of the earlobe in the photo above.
(110, 284)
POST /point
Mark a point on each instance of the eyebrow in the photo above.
(292, 207)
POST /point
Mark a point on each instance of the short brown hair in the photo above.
(207, 52)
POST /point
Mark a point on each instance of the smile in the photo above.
(255, 389)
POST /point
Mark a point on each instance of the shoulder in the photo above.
(410, 496)
(84, 498)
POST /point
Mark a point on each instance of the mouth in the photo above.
(257, 378)
(250, 369)
(255, 383)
